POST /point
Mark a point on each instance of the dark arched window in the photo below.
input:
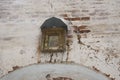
(53, 35)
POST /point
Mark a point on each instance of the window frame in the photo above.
(46, 33)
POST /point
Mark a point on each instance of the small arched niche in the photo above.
(53, 35)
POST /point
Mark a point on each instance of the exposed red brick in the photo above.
(84, 31)
(77, 18)
(64, 15)
(84, 35)
(73, 19)
(75, 27)
(70, 36)
(75, 31)
(82, 27)
(85, 18)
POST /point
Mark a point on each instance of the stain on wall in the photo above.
(92, 40)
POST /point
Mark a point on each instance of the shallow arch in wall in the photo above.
(54, 72)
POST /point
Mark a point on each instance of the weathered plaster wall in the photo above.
(98, 22)
(55, 72)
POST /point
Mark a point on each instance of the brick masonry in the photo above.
(97, 21)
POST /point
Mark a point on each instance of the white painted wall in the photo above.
(20, 22)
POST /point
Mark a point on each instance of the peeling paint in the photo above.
(92, 40)
(16, 67)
